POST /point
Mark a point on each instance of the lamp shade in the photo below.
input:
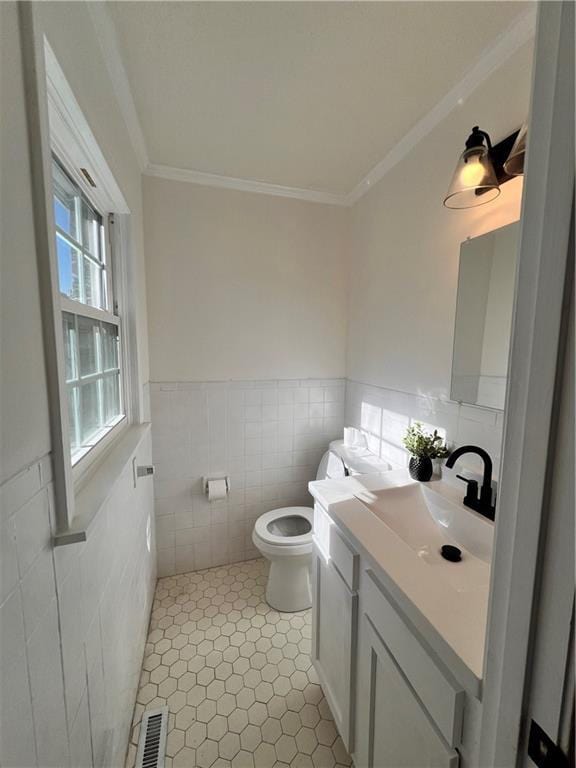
(514, 165)
(474, 181)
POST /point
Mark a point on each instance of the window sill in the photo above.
(101, 441)
(100, 485)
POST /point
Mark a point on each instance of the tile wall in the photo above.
(268, 436)
(384, 414)
(73, 622)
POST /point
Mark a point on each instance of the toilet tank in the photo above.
(331, 466)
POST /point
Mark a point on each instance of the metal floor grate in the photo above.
(152, 741)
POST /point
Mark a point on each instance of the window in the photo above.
(90, 323)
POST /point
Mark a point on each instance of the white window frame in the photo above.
(83, 457)
(73, 143)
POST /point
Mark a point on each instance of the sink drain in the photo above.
(453, 554)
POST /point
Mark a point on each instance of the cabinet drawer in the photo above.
(438, 691)
(335, 548)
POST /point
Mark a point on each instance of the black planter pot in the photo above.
(420, 468)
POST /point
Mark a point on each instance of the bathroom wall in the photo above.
(247, 313)
(72, 619)
(404, 269)
(73, 622)
(384, 414)
(268, 436)
(243, 285)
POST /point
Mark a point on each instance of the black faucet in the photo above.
(483, 503)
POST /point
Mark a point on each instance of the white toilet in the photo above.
(284, 536)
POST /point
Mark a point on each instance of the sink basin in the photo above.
(426, 519)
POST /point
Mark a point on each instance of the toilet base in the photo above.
(289, 587)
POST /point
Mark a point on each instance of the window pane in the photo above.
(68, 265)
(91, 222)
(92, 284)
(111, 397)
(65, 195)
(88, 339)
(89, 411)
(69, 327)
(72, 418)
(109, 346)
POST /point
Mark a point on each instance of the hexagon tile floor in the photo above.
(236, 676)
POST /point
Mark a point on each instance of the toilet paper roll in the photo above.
(217, 489)
(349, 436)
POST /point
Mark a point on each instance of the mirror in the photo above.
(486, 282)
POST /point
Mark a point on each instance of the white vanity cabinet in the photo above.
(396, 705)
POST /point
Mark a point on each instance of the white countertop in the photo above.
(447, 602)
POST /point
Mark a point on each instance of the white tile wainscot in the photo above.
(384, 415)
(268, 436)
(73, 621)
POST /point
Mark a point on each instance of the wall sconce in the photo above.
(480, 170)
(514, 165)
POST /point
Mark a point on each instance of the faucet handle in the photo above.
(471, 490)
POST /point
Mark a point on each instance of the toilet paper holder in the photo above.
(206, 480)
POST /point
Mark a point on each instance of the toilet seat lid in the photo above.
(265, 522)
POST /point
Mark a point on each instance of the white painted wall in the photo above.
(242, 285)
(73, 619)
(405, 245)
(24, 427)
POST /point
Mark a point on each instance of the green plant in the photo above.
(423, 444)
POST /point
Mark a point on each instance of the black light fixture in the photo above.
(480, 171)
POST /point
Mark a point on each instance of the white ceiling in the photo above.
(303, 94)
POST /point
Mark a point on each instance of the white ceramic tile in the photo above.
(117, 578)
(80, 741)
(74, 683)
(99, 726)
(44, 657)
(8, 558)
(48, 691)
(166, 561)
(12, 636)
(251, 429)
(38, 590)
(184, 559)
(17, 745)
(70, 605)
(460, 424)
(32, 530)
(16, 491)
(229, 674)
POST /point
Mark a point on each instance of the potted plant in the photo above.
(423, 447)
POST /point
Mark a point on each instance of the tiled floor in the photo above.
(236, 676)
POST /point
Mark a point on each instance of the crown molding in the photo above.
(243, 185)
(493, 57)
(108, 41)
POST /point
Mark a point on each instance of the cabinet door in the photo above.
(334, 614)
(394, 731)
